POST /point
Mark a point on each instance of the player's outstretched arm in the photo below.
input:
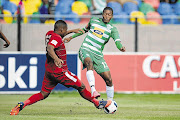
(75, 31)
(5, 39)
(66, 40)
(58, 62)
(120, 46)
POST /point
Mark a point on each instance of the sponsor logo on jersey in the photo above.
(54, 42)
(98, 32)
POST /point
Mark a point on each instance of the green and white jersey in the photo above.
(98, 35)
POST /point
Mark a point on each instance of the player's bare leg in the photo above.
(109, 85)
(90, 76)
(33, 99)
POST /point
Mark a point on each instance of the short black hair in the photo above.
(60, 24)
(108, 8)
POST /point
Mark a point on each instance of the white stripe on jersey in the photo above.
(91, 47)
(105, 35)
(91, 51)
(99, 26)
(73, 74)
(93, 43)
(70, 77)
(117, 40)
(97, 20)
(96, 38)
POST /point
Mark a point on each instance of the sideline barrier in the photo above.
(141, 73)
(24, 72)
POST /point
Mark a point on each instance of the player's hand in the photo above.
(6, 45)
(123, 49)
(58, 62)
(66, 40)
(78, 31)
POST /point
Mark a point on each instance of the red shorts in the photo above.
(67, 79)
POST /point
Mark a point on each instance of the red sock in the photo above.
(87, 95)
(33, 99)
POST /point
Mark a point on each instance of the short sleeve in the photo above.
(115, 34)
(55, 41)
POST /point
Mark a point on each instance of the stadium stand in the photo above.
(129, 7)
(8, 19)
(123, 19)
(153, 3)
(145, 8)
(35, 19)
(79, 7)
(139, 15)
(87, 2)
(164, 9)
(177, 8)
(15, 2)
(169, 12)
(155, 17)
(73, 17)
(170, 19)
(10, 7)
(64, 6)
(85, 20)
(139, 3)
(117, 8)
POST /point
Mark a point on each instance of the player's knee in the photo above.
(45, 94)
(88, 63)
(109, 82)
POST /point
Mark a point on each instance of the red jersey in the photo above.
(60, 50)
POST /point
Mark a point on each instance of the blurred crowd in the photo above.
(125, 11)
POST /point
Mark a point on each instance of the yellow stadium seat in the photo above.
(15, 2)
(149, 23)
(31, 6)
(7, 19)
(139, 15)
(50, 22)
(79, 7)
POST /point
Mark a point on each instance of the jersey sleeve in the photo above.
(116, 38)
(115, 34)
(55, 41)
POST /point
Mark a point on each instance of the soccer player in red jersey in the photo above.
(5, 39)
(57, 71)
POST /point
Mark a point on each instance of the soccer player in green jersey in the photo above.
(90, 52)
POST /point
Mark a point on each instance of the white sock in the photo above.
(91, 80)
(110, 92)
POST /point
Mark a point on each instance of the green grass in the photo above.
(70, 106)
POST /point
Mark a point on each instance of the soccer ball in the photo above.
(111, 109)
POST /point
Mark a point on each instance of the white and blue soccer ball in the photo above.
(111, 109)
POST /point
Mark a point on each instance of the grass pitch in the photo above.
(70, 106)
